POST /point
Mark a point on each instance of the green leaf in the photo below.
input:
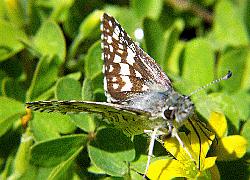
(112, 157)
(15, 12)
(95, 170)
(13, 89)
(93, 62)
(242, 102)
(173, 47)
(198, 62)
(2, 9)
(49, 40)
(125, 15)
(44, 77)
(55, 151)
(63, 170)
(246, 9)
(50, 125)
(68, 89)
(75, 76)
(155, 41)
(229, 29)
(97, 83)
(3, 75)
(60, 10)
(87, 90)
(246, 134)
(10, 37)
(147, 8)
(10, 111)
(21, 163)
(88, 25)
(84, 121)
(219, 102)
(238, 61)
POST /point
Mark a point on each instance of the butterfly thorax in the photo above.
(168, 105)
(178, 107)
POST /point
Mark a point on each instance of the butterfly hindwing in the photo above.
(131, 121)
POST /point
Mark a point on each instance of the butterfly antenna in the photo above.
(226, 77)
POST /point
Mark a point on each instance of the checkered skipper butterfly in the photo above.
(139, 94)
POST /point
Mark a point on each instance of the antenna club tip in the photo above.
(229, 74)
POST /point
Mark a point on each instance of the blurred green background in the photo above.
(50, 49)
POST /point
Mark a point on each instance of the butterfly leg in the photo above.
(151, 147)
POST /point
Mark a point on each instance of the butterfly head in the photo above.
(179, 107)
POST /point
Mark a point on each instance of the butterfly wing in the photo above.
(131, 121)
(128, 70)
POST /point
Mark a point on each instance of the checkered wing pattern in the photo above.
(128, 70)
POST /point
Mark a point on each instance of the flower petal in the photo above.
(168, 169)
(219, 123)
(231, 148)
(200, 140)
(209, 162)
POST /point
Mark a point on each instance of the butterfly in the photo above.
(140, 96)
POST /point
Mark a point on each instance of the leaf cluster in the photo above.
(51, 50)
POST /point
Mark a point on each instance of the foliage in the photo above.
(51, 50)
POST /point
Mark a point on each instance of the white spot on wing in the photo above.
(128, 85)
(105, 84)
(137, 74)
(144, 87)
(109, 40)
(101, 27)
(130, 57)
(119, 51)
(110, 23)
(114, 79)
(120, 46)
(117, 30)
(103, 69)
(111, 68)
(124, 69)
(111, 48)
(117, 58)
(115, 36)
(115, 86)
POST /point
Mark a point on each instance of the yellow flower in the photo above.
(229, 147)
(197, 143)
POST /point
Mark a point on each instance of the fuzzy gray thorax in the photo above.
(169, 105)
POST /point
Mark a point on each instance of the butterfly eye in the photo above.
(169, 114)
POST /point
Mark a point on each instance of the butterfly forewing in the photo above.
(128, 70)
